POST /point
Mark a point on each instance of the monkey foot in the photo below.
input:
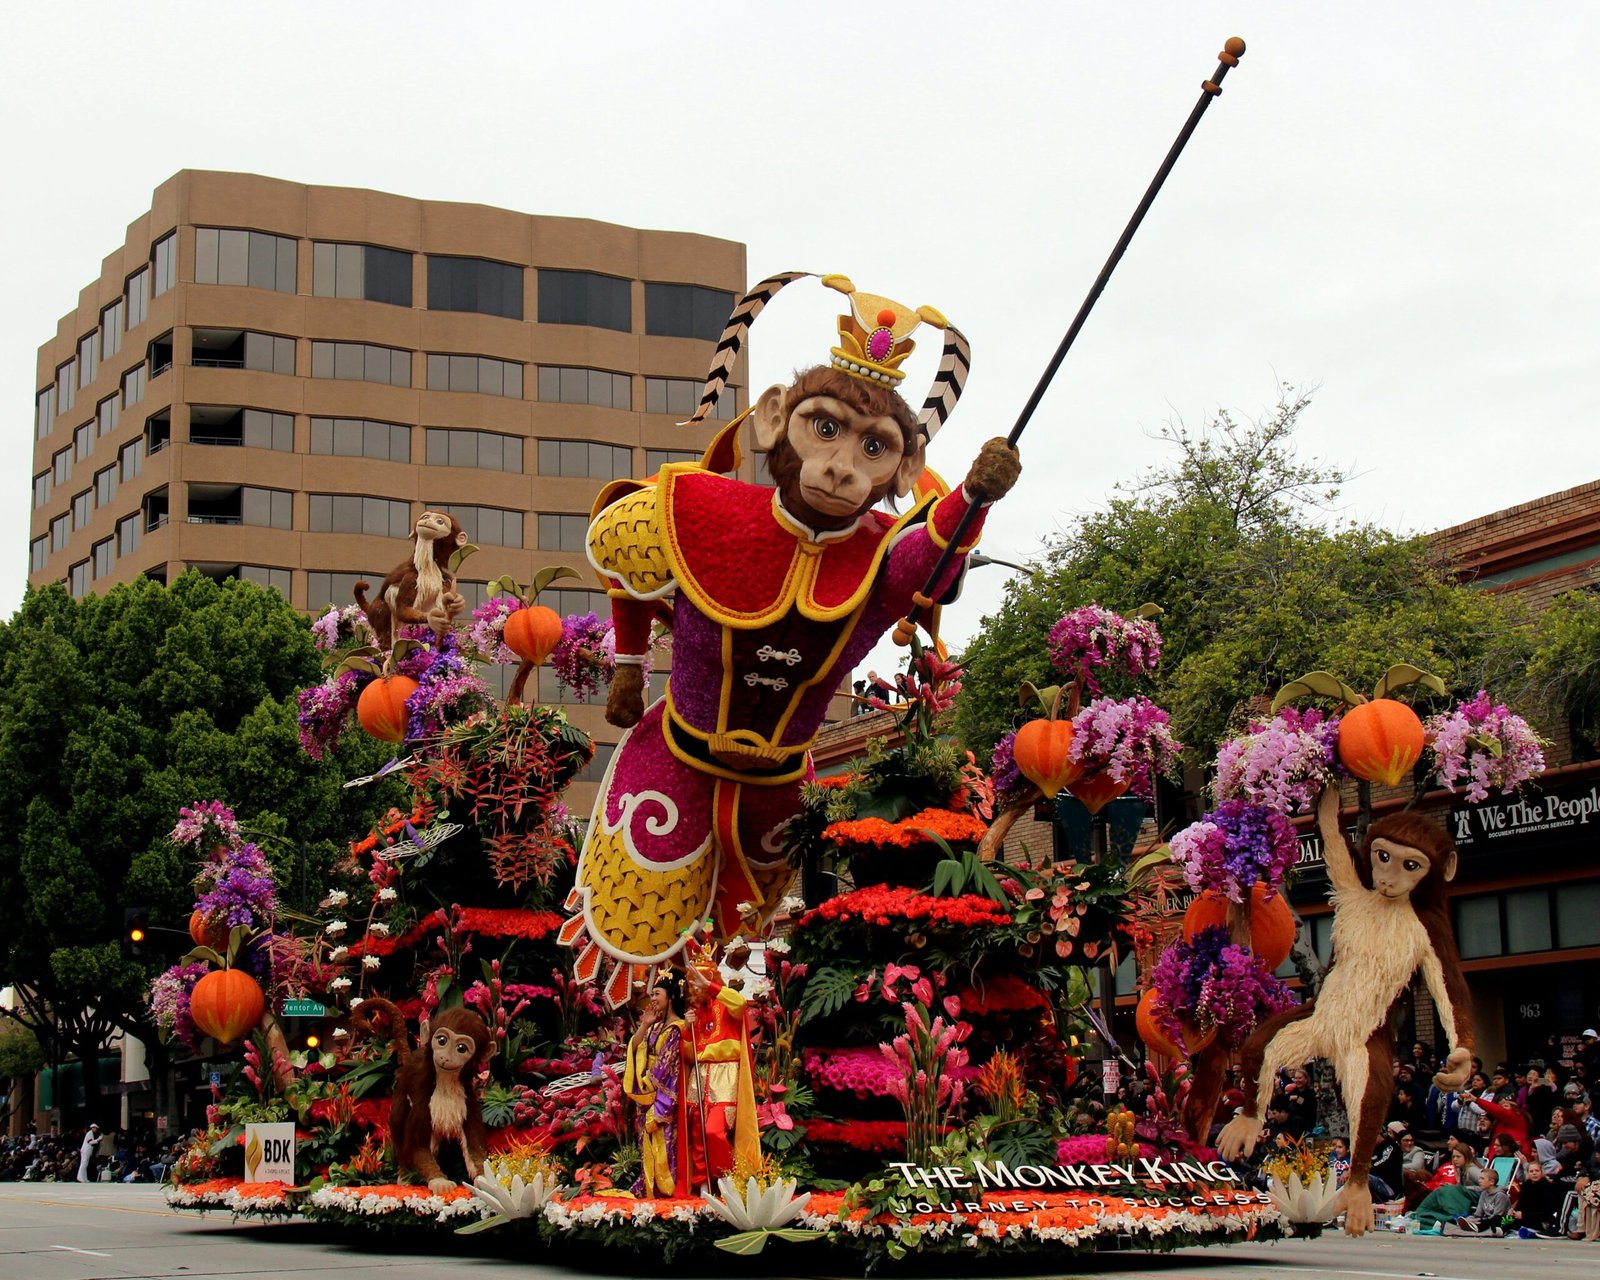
(1238, 1137)
(440, 1185)
(1357, 1211)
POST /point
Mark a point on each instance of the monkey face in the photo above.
(432, 525)
(452, 1050)
(1397, 869)
(847, 460)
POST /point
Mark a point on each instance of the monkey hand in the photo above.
(1457, 1068)
(452, 602)
(1238, 1137)
(625, 701)
(440, 1185)
(1357, 1210)
(993, 471)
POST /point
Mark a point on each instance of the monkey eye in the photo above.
(873, 447)
(441, 1039)
(1383, 855)
(1411, 864)
(827, 428)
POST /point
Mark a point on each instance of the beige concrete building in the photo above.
(270, 380)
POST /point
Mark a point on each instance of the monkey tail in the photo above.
(379, 1019)
(360, 591)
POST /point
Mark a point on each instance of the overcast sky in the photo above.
(1396, 202)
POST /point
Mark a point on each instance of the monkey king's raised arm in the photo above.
(777, 592)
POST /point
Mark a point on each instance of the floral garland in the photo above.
(862, 1071)
(875, 1137)
(1282, 763)
(1005, 993)
(1207, 981)
(1128, 738)
(946, 824)
(393, 1203)
(339, 627)
(1235, 847)
(882, 904)
(509, 922)
(1483, 743)
(1091, 639)
(258, 1199)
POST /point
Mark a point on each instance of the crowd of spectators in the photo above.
(87, 1155)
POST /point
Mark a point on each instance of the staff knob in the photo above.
(1233, 50)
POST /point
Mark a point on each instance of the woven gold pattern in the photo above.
(625, 541)
(636, 911)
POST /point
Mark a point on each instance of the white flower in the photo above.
(341, 952)
(778, 946)
(358, 999)
(339, 1033)
(1319, 1200)
(388, 893)
(752, 1209)
(339, 984)
(371, 962)
(378, 929)
(334, 928)
(791, 904)
(337, 898)
(510, 1199)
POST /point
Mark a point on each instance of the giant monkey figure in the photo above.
(777, 592)
(1391, 918)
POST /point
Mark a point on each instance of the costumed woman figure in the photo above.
(653, 1079)
(720, 1105)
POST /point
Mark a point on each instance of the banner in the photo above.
(269, 1153)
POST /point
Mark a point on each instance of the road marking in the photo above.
(97, 1206)
(1350, 1271)
(91, 1252)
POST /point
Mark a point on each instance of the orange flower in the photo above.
(952, 827)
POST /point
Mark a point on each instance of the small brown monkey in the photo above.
(421, 589)
(435, 1090)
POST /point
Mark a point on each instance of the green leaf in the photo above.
(1489, 743)
(358, 662)
(798, 1235)
(944, 878)
(746, 1242)
(1318, 683)
(1404, 673)
(461, 555)
(203, 953)
(827, 991)
(547, 575)
(482, 1224)
(1149, 610)
(911, 1237)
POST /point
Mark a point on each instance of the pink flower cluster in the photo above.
(1235, 847)
(1485, 744)
(340, 626)
(1282, 763)
(486, 632)
(210, 823)
(1128, 738)
(864, 1072)
(1092, 639)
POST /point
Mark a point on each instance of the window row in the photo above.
(481, 449)
(1526, 920)
(558, 385)
(252, 258)
(361, 438)
(360, 362)
(242, 349)
(681, 397)
(221, 425)
(361, 271)
(353, 513)
(474, 373)
(486, 526)
(585, 459)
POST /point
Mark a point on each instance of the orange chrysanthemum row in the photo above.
(952, 827)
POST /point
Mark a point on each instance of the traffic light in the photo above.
(135, 931)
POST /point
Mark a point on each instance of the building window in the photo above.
(361, 271)
(474, 373)
(681, 397)
(44, 412)
(261, 429)
(133, 386)
(583, 458)
(361, 362)
(164, 263)
(105, 486)
(335, 586)
(251, 258)
(130, 460)
(595, 770)
(559, 385)
(107, 415)
(352, 513)
(481, 449)
(111, 330)
(278, 580)
(128, 535)
(137, 295)
(86, 360)
(213, 425)
(78, 580)
(575, 600)
(38, 553)
(361, 438)
(763, 471)
(82, 509)
(1578, 914)
(474, 284)
(655, 459)
(103, 556)
(686, 311)
(266, 508)
(41, 489)
(61, 467)
(82, 441)
(66, 386)
(581, 297)
(486, 525)
(563, 532)
(60, 531)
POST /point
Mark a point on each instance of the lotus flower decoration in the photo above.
(1317, 1200)
(759, 1214)
(508, 1200)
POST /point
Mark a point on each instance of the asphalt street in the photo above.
(62, 1231)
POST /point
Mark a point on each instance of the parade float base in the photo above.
(918, 1232)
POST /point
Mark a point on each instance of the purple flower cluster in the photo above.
(324, 709)
(1092, 639)
(586, 655)
(338, 627)
(1282, 763)
(242, 890)
(447, 687)
(1235, 847)
(1206, 981)
(170, 994)
(1482, 742)
(487, 630)
(210, 824)
(1006, 778)
(1128, 738)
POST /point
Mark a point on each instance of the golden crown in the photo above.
(875, 335)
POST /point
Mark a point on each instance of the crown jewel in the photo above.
(874, 351)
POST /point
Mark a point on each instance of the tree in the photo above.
(115, 711)
(20, 1059)
(1255, 590)
(1564, 669)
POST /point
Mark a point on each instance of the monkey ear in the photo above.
(911, 467)
(492, 1049)
(461, 538)
(771, 418)
(1450, 865)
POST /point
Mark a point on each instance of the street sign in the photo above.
(303, 1009)
(216, 1079)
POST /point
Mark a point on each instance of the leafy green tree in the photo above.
(1564, 668)
(115, 711)
(20, 1058)
(1257, 587)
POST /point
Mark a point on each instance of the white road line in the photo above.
(1347, 1271)
(69, 1249)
